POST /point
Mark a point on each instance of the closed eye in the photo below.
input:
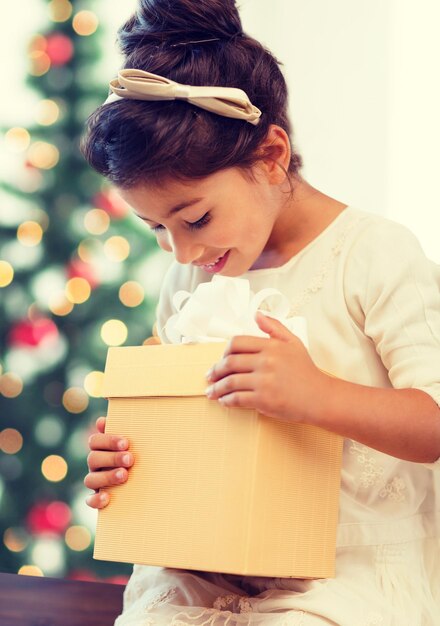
(191, 225)
(200, 223)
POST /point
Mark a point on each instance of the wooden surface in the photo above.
(38, 601)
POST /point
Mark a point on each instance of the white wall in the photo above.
(365, 100)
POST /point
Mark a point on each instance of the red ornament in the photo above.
(48, 518)
(111, 202)
(117, 580)
(80, 269)
(59, 48)
(31, 333)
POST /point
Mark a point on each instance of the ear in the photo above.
(275, 153)
(273, 327)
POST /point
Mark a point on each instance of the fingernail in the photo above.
(209, 391)
(120, 474)
(103, 497)
(209, 374)
(122, 444)
(126, 459)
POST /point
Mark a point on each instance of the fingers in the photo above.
(100, 424)
(105, 478)
(230, 364)
(240, 400)
(245, 343)
(99, 459)
(230, 384)
(98, 500)
(101, 441)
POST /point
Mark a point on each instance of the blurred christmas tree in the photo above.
(77, 274)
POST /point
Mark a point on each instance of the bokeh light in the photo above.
(85, 23)
(78, 538)
(47, 553)
(88, 249)
(54, 468)
(117, 248)
(11, 385)
(15, 539)
(40, 62)
(97, 221)
(131, 293)
(47, 112)
(6, 273)
(17, 139)
(30, 570)
(78, 290)
(43, 155)
(29, 233)
(75, 400)
(49, 431)
(59, 304)
(114, 332)
(60, 10)
(11, 441)
(93, 384)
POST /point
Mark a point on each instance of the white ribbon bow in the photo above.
(225, 307)
(226, 101)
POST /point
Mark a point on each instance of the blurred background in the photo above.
(78, 274)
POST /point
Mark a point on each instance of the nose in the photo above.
(184, 250)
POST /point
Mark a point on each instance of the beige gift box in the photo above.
(212, 488)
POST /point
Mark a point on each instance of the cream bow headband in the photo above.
(226, 101)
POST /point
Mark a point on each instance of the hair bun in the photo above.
(173, 21)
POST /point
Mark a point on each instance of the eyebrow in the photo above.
(175, 209)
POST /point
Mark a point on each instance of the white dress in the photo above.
(372, 303)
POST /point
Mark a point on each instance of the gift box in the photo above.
(212, 488)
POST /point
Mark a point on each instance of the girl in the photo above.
(214, 174)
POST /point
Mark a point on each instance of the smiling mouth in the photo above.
(216, 265)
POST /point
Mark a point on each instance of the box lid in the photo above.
(159, 370)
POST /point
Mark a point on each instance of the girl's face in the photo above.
(222, 222)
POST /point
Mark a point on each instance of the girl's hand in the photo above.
(107, 461)
(274, 375)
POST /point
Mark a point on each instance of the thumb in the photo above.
(273, 327)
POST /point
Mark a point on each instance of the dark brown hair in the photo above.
(133, 141)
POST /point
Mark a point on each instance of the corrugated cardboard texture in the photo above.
(214, 489)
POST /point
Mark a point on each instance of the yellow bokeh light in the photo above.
(43, 155)
(38, 42)
(17, 139)
(11, 441)
(131, 293)
(54, 468)
(97, 221)
(30, 570)
(59, 304)
(75, 400)
(15, 540)
(29, 233)
(60, 10)
(93, 384)
(114, 332)
(11, 385)
(47, 112)
(117, 248)
(78, 290)
(6, 273)
(78, 538)
(40, 63)
(85, 23)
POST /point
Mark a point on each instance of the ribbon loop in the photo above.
(226, 307)
(136, 84)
